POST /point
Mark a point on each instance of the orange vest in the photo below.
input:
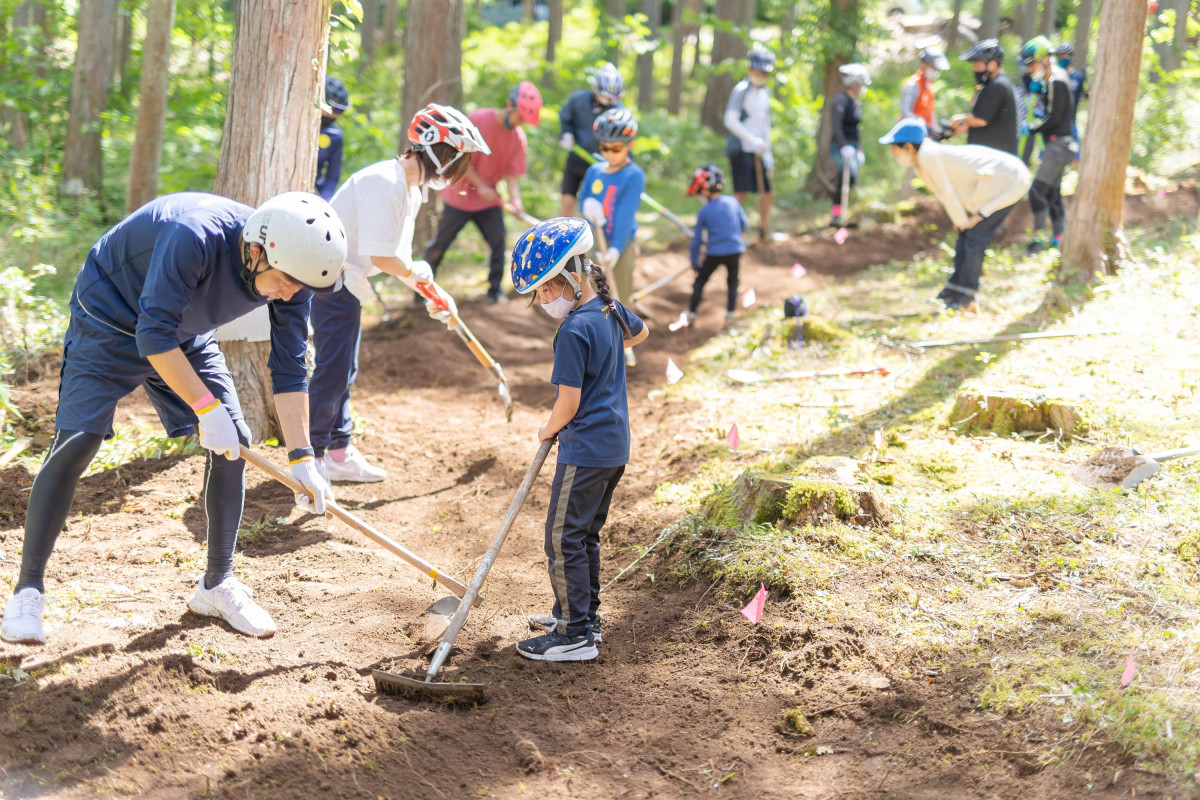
(926, 98)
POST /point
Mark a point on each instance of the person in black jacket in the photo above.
(1051, 87)
(844, 140)
(993, 121)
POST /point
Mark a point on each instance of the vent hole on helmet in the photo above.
(324, 272)
(310, 221)
(328, 238)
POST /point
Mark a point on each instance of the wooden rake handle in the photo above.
(333, 509)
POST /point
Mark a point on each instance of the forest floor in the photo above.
(968, 648)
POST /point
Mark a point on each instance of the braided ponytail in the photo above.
(593, 270)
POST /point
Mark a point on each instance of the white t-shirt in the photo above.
(379, 210)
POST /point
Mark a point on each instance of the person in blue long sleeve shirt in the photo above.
(576, 117)
(143, 311)
(612, 192)
(723, 221)
(331, 140)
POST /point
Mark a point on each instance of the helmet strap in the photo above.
(245, 272)
(574, 283)
(441, 168)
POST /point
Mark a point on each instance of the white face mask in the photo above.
(932, 74)
(906, 158)
(559, 307)
(438, 183)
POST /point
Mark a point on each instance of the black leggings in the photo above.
(730, 262)
(54, 490)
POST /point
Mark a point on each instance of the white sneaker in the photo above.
(355, 468)
(630, 358)
(321, 470)
(230, 600)
(23, 618)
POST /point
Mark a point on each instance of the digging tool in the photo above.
(842, 219)
(428, 689)
(17, 448)
(658, 284)
(1124, 467)
(650, 201)
(1012, 337)
(525, 217)
(749, 376)
(458, 326)
(333, 509)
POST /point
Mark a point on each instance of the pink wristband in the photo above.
(203, 402)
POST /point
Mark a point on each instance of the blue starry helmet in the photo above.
(545, 250)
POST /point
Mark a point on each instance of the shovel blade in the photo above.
(747, 376)
(1115, 468)
(437, 617)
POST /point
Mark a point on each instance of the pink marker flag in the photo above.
(841, 236)
(754, 609)
(674, 373)
(682, 322)
(798, 270)
(1130, 669)
(732, 437)
(749, 298)
(1162, 194)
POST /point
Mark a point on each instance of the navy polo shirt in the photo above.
(589, 355)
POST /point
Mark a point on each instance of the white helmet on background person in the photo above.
(608, 84)
(302, 237)
(855, 75)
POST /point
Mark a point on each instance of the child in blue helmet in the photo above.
(330, 141)
(590, 419)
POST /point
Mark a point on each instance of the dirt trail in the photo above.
(135, 695)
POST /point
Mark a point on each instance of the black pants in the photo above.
(490, 222)
(579, 501)
(970, 249)
(730, 262)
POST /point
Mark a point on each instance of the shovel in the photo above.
(749, 376)
(334, 510)
(428, 291)
(1124, 467)
(429, 689)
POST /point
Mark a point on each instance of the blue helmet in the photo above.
(761, 59)
(608, 83)
(336, 95)
(544, 250)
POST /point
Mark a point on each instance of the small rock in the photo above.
(529, 757)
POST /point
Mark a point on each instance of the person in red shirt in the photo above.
(474, 198)
(918, 97)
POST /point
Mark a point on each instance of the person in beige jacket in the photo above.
(977, 185)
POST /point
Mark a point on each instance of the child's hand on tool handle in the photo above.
(304, 470)
(439, 303)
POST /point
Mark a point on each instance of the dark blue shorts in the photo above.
(100, 366)
(745, 178)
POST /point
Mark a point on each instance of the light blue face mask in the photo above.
(1035, 87)
(1064, 62)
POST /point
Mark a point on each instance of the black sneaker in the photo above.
(548, 622)
(1034, 247)
(556, 647)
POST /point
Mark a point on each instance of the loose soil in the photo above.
(134, 695)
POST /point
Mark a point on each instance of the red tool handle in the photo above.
(429, 292)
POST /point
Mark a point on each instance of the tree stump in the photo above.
(1006, 412)
(761, 498)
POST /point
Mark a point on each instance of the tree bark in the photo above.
(123, 46)
(82, 155)
(391, 18)
(952, 34)
(1083, 33)
(678, 38)
(843, 18)
(431, 27)
(527, 12)
(614, 15)
(645, 60)
(369, 34)
(146, 157)
(553, 37)
(1094, 239)
(1049, 10)
(1027, 19)
(269, 146)
(989, 23)
(728, 49)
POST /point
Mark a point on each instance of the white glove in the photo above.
(218, 433)
(768, 160)
(445, 317)
(755, 145)
(567, 142)
(862, 159)
(594, 212)
(306, 472)
(848, 152)
(421, 272)
(611, 255)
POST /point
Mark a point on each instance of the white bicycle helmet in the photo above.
(438, 124)
(855, 75)
(608, 83)
(302, 237)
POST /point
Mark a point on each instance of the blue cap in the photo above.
(906, 131)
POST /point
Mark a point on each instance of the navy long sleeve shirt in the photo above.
(329, 158)
(170, 274)
(579, 113)
(723, 220)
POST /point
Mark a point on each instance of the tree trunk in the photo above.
(989, 23)
(82, 153)
(843, 18)
(391, 18)
(553, 37)
(645, 60)
(678, 38)
(146, 157)
(728, 49)
(368, 31)
(432, 26)
(1083, 33)
(1049, 8)
(1094, 238)
(614, 15)
(1027, 19)
(527, 12)
(269, 146)
(124, 46)
(952, 34)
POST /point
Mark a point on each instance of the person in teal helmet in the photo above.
(590, 418)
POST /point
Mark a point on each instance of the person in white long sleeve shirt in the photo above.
(748, 119)
(978, 186)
